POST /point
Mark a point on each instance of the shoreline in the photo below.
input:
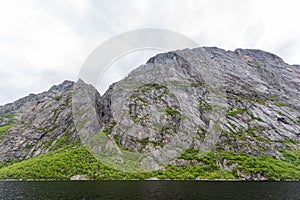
(194, 180)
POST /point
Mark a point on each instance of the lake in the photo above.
(148, 190)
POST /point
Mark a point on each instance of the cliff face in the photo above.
(39, 123)
(246, 101)
(208, 99)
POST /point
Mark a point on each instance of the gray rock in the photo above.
(246, 101)
(42, 121)
(79, 178)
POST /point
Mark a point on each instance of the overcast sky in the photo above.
(45, 42)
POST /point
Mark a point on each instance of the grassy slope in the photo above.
(64, 163)
(4, 129)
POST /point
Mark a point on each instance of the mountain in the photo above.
(38, 123)
(191, 114)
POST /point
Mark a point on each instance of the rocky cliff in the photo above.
(38, 124)
(246, 102)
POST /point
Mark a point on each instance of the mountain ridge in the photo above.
(204, 99)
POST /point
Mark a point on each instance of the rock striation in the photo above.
(41, 123)
(243, 101)
(246, 101)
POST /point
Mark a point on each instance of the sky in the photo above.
(46, 42)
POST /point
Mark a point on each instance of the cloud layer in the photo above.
(45, 42)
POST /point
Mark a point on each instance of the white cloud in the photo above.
(123, 66)
(45, 42)
(37, 49)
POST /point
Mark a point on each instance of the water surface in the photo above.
(148, 190)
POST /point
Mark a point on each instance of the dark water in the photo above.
(148, 190)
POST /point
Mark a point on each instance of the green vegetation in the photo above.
(57, 98)
(4, 129)
(253, 118)
(166, 128)
(237, 111)
(65, 163)
(144, 141)
(148, 87)
(29, 146)
(289, 168)
(217, 127)
(280, 104)
(255, 132)
(172, 112)
(55, 113)
(68, 100)
(154, 86)
(289, 141)
(259, 98)
(204, 106)
(63, 141)
(10, 119)
(58, 165)
(196, 84)
(108, 129)
(4, 164)
(9, 115)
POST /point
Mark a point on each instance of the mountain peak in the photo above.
(62, 87)
(256, 55)
(243, 102)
